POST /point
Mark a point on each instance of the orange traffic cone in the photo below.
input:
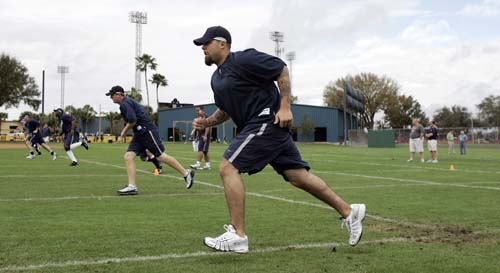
(452, 167)
(157, 172)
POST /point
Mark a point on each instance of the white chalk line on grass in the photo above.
(196, 254)
(355, 187)
(97, 197)
(59, 175)
(411, 180)
(407, 166)
(422, 182)
(484, 182)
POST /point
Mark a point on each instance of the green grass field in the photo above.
(421, 217)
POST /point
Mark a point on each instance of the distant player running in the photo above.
(203, 139)
(244, 90)
(146, 138)
(35, 137)
(71, 135)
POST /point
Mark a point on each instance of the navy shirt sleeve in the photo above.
(259, 65)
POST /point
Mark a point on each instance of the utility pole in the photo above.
(63, 70)
(278, 38)
(138, 18)
(43, 91)
(472, 127)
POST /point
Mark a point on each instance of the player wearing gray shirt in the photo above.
(416, 140)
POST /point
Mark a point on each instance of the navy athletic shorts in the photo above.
(260, 144)
(203, 146)
(146, 139)
(36, 139)
(70, 139)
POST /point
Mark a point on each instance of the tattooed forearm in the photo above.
(217, 117)
(284, 83)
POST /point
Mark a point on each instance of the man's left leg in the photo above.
(49, 149)
(353, 215)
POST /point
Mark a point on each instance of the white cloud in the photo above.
(487, 8)
(428, 33)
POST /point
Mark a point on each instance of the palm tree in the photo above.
(29, 113)
(134, 94)
(143, 62)
(159, 80)
(88, 114)
(112, 117)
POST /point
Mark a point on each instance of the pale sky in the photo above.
(440, 52)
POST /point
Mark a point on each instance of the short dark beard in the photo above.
(208, 60)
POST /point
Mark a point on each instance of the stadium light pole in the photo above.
(63, 70)
(138, 18)
(277, 37)
(290, 56)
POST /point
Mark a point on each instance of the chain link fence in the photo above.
(359, 138)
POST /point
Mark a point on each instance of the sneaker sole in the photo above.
(218, 250)
(192, 181)
(362, 208)
(128, 193)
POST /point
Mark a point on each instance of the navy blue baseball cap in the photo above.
(214, 33)
(114, 90)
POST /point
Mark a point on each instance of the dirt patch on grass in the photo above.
(447, 234)
(9, 145)
(455, 235)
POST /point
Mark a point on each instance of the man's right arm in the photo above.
(216, 118)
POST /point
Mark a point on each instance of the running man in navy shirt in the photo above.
(146, 139)
(35, 137)
(71, 133)
(244, 90)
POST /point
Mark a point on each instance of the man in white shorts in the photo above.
(432, 135)
(416, 140)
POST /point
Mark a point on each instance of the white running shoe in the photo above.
(196, 166)
(54, 156)
(228, 241)
(207, 167)
(409, 160)
(429, 161)
(30, 156)
(434, 161)
(353, 223)
(189, 178)
(128, 190)
(422, 160)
